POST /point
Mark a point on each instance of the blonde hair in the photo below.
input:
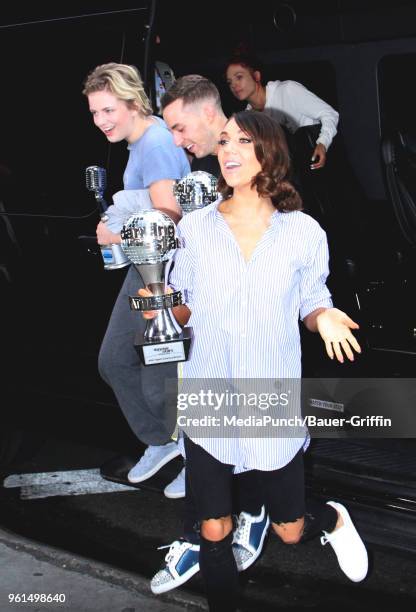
(123, 81)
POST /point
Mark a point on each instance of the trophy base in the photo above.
(168, 351)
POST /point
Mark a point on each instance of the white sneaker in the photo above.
(176, 488)
(181, 563)
(249, 537)
(348, 546)
(154, 458)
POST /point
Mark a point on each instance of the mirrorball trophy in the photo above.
(149, 240)
(195, 190)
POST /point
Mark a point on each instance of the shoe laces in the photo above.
(175, 550)
(327, 537)
(242, 531)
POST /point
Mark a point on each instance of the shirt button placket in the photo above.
(243, 320)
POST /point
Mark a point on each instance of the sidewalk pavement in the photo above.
(29, 567)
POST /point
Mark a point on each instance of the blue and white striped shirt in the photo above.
(245, 315)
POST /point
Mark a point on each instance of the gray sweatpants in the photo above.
(140, 390)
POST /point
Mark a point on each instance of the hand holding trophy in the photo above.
(149, 240)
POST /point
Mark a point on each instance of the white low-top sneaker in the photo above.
(348, 546)
(176, 488)
(154, 458)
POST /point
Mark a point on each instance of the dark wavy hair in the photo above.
(244, 56)
(270, 147)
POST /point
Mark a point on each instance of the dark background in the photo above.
(56, 412)
(359, 56)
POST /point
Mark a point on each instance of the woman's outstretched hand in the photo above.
(335, 328)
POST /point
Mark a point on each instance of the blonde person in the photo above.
(121, 110)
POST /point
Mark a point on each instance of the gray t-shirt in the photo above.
(153, 157)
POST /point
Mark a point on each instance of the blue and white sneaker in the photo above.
(182, 559)
(181, 563)
(249, 538)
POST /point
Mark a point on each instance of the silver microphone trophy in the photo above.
(195, 190)
(112, 254)
(149, 240)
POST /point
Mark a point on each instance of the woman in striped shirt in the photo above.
(253, 263)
